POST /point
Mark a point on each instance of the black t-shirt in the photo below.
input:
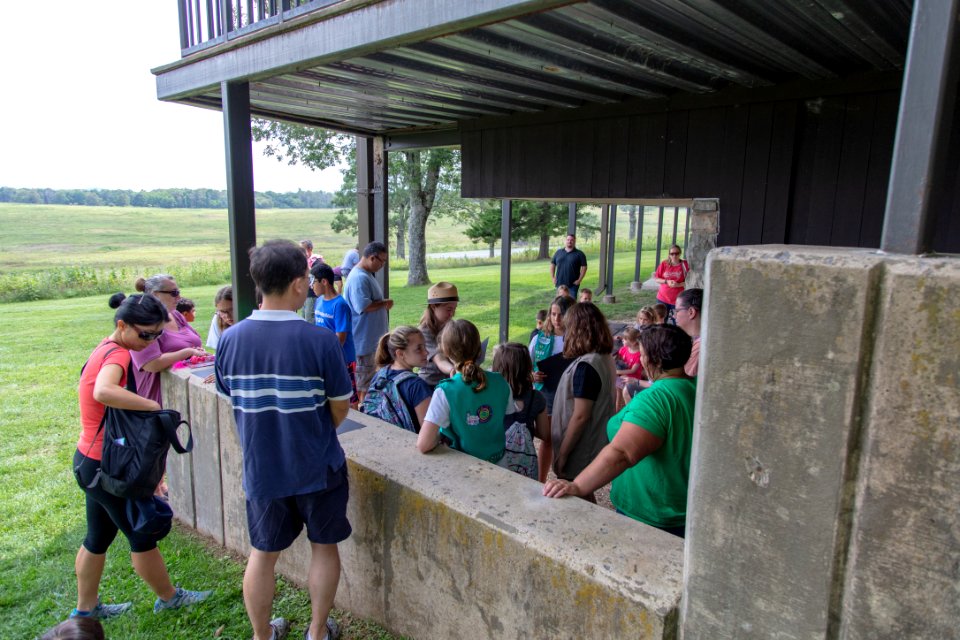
(568, 265)
(586, 382)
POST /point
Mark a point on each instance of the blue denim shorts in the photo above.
(274, 524)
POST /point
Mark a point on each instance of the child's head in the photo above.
(631, 337)
(307, 247)
(276, 265)
(541, 318)
(558, 308)
(512, 361)
(645, 316)
(76, 629)
(404, 346)
(460, 343)
(659, 313)
(586, 295)
(563, 291)
(442, 301)
(323, 278)
(586, 332)
(187, 309)
(223, 307)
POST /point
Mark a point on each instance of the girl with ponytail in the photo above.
(467, 410)
(397, 395)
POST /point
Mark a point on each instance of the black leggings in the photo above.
(106, 513)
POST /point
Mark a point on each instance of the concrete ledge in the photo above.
(445, 545)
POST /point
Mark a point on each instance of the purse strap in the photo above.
(170, 421)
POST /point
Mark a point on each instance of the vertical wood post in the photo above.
(506, 254)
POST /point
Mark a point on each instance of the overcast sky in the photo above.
(79, 108)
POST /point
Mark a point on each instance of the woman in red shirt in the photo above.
(138, 322)
(671, 274)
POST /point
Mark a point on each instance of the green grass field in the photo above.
(42, 347)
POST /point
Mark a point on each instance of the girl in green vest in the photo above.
(467, 410)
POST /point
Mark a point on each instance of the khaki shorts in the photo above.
(365, 370)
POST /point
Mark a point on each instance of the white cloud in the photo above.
(79, 106)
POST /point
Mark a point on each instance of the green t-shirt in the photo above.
(654, 490)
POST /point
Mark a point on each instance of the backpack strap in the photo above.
(171, 421)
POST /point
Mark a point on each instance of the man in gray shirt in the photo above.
(370, 321)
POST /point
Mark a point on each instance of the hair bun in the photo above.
(116, 300)
(140, 284)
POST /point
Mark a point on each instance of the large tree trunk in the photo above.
(423, 191)
(544, 253)
(492, 252)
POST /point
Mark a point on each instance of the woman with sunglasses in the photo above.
(138, 322)
(178, 340)
(671, 274)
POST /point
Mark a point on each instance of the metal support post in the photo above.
(927, 102)
(676, 223)
(381, 206)
(659, 237)
(636, 269)
(604, 244)
(611, 250)
(365, 206)
(686, 229)
(506, 253)
(241, 210)
(572, 218)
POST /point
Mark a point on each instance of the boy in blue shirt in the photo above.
(333, 312)
(290, 390)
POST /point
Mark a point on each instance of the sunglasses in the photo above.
(674, 253)
(149, 336)
(173, 292)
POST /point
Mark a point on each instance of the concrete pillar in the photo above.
(205, 421)
(827, 449)
(704, 229)
(175, 387)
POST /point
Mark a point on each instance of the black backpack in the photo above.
(135, 446)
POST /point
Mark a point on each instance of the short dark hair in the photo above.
(275, 264)
(691, 298)
(322, 271)
(666, 346)
(141, 308)
(375, 248)
(185, 304)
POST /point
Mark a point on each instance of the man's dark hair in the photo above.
(275, 264)
(375, 248)
(691, 298)
(322, 271)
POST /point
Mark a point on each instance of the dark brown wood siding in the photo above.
(796, 171)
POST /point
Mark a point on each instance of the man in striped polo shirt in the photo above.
(290, 390)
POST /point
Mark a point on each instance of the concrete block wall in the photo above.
(823, 499)
(445, 545)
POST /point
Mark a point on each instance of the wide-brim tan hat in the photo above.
(442, 292)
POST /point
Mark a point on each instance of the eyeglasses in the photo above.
(381, 259)
(149, 336)
(173, 292)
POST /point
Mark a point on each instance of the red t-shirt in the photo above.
(669, 271)
(631, 358)
(91, 411)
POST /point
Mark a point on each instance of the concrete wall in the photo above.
(446, 546)
(823, 499)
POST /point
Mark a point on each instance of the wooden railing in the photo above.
(205, 23)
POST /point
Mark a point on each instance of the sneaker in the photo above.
(103, 611)
(280, 628)
(333, 629)
(182, 598)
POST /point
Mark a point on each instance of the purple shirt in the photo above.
(148, 384)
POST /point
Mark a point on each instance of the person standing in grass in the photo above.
(290, 389)
(177, 342)
(568, 266)
(138, 322)
(332, 312)
(370, 320)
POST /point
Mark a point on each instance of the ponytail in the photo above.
(472, 372)
(388, 344)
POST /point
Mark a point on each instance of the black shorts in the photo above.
(274, 524)
(106, 513)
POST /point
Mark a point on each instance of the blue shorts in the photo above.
(274, 524)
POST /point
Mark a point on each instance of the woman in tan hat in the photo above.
(442, 299)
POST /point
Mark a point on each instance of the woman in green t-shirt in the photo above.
(648, 458)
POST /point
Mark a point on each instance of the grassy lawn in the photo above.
(42, 347)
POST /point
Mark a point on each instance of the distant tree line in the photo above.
(163, 198)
